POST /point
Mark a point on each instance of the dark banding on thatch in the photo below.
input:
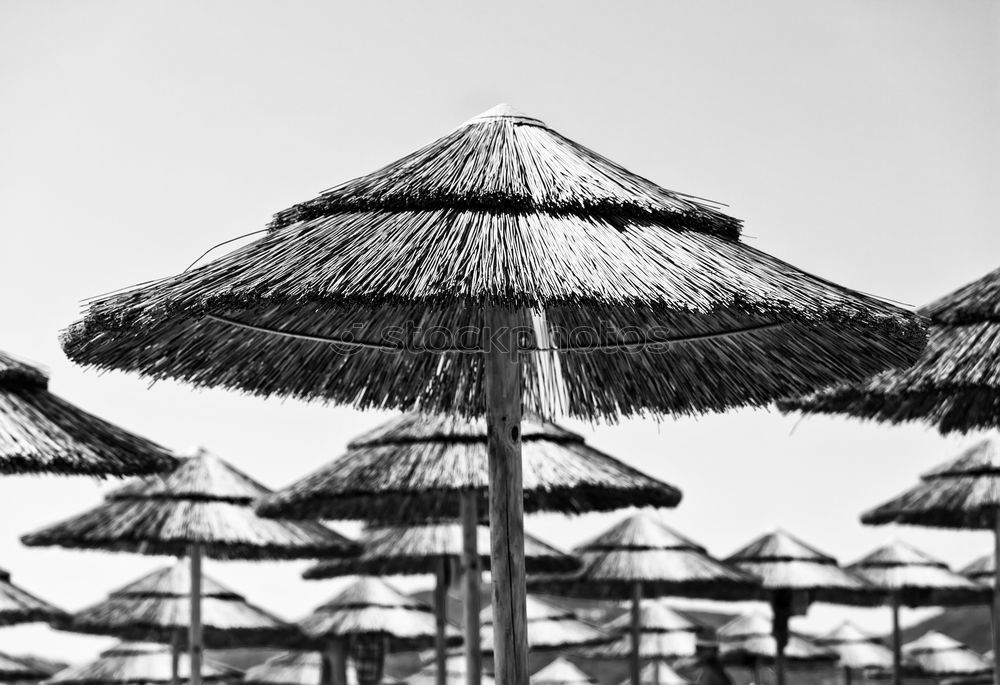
(982, 570)
(961, 493)
(550, 628)
(157, 607)
(912, 578)
(20, 606)
(43, 433)
(856, 649)
(369, 607)
(663, 634)
(748, 640)
(134, 663)
(14, 669)
(561, 672)
(954, 385)
(414, 468)
(640, 549)
(412, 550)
(633, 299)
(204, 501)
(936, 655)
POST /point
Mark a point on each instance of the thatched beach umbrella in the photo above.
(455, 665)
(419, 466)
(202, 508)
(17, 669)
(639, 557)
(663, 635)
(659, 673)
(561, 672)
(502, 267)
(749, 641)
(550, 628)
(937, 656)
(43, 433)
(792, 576)
(911, 578)
(296, 668)
(982, 570)
(136, 663)
(20, 606)
(373, 618)
(856, 650)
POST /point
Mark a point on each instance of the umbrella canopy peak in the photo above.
(16, 373)
(856, 649)
(846, 633)
(654, 617)
(976, 302)
(20, 606)
(561, 671)
(451, 429)
(642, 531)
(780, 545)
(980, 459)
(173, 581)
(200, 475)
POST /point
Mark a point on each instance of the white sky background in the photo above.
(857, 139)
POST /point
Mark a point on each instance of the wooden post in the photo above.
(176, 647)
(996, 597)
(756, 672)
(336, 655)
(440, 620)
(194, 625)
(897, 644)
(325, 669)
(472, 575)
(781, 608)
(847, 675)
(504, 391)
(635, 667)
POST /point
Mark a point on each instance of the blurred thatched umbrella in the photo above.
(501, 267)
(20, 606)
(663, 635)
(202, 508)
(659, 673)
(749, 641)
(137, 663)
(705, 667)
(373, 618)
(43, 433)
(16, 669)
(982, 570)
(419, 466)
(641, 557)
(938, 656)
(550, 628)
(856, 651)
(561, 672)
(295, 668)
(911, 578)
(455, 665)
(793, 575)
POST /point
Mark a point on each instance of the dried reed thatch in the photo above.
(912, 578)
(140, 664)
(561, 672)
(412, 550)
(16, 669)
(43, 433)
(550, 628)
(157, 607)
(204, 501)
(982, 570)
(659, 673)
(297, 668)
(641, 549)
(502, 212)
(748, 640)
(414, 468)
(455, 673)
(961, 493)
(955, 385)
(937, 655)
(370, 607)
(856, 649)
(663, 634)
(20, 606)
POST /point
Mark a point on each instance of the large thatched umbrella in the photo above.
(371, 618)
(502, 267)
(20, 606)
(856, 650)
(664, 635)
(908, 577)
(639, 557)
(936, 655)
(561, 672)
(793, 575)
(202, 508)
(137, 663)
(419, 466)
(750, 641)
(43, 433)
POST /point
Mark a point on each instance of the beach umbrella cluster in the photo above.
(857, 651)
(750, 641)
(137, 663)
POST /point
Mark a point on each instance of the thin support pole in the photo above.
(897, 645)
(635, 626)
(472, 575)
(504, 391)
(996, 597)
(756, 672)
(194, 625)
(440, 620)
(336, 655)
(176, 647)
(847, 675)
(781, 608)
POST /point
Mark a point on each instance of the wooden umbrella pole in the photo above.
(996, 597)
(847, 675)
(194, 625)
(756, 672)
(635, 669)
(176, 643)
(503, 430)
(472, 575)
(440, 620)
(897, 645)
(781, 609)
(337, 658)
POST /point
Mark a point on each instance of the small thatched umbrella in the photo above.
(373, 618)
(982, 570)
(705, 667)
(659, 673)
(938, 656)
(43, 433)
(856, 651)
(749, 641)
(793, 575)
(663, 635)
(911, 578)
(501, 267)
(641, 557)
(550, 628)
(17, 669)
(204, 507)
(137, 663)
(455, 665)
(561, 672)
(296, 668)
(20, 606)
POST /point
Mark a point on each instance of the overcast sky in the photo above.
(858, 140)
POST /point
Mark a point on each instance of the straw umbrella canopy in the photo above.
(937, 656)
(749, 641)
(202, 508)
(659, 673)
(43, 433)
(663, 635)
(911, 578)
(20, 606)
(561, 672)
(374, 618)
(294, 668)
(16, 669)
(792, 576)
(138, 663)
(856, 650)
(455, 665)
(550, 628)
(420, 466)
(982, 570)
(639, 557)
(479, 275)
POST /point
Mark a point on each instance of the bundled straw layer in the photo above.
(937, 655)
(550, 628)
(20, 606)
(139, 664)
(17, 669)
(855, 649)
(748, 640)
(296, 668)
(663, 634)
